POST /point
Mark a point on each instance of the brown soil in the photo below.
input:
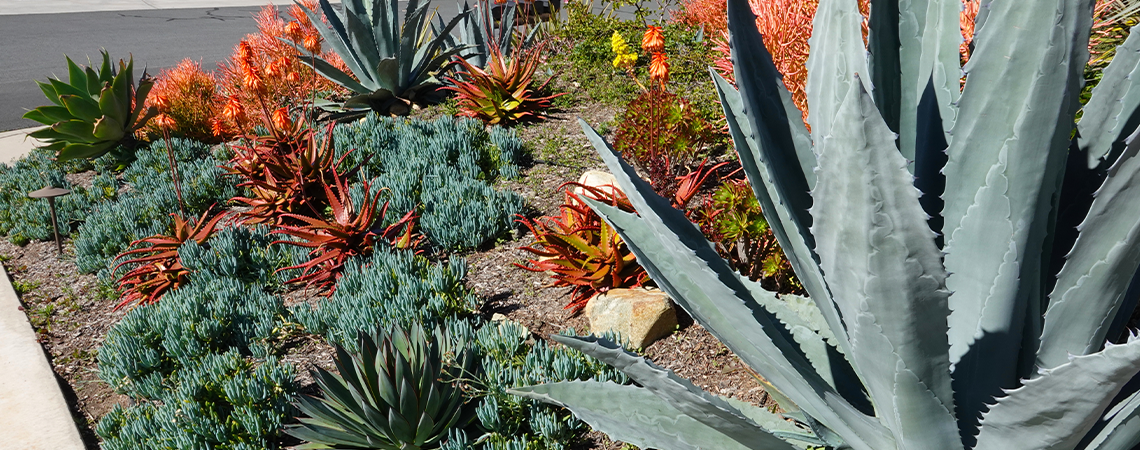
(71, 312)
(70, 316)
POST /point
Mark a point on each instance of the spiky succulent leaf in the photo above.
(388, 59)
(1056, 409)
(837, 56)
(1109, 116)
(678, 392)
(1091, 286)
(635, 415)
(684, 265)
(1006, 159)
(1122, 428)
(397, 392)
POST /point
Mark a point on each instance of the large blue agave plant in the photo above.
(967, 275)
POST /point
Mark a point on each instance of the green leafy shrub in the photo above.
(23, 219)
(389, 288)
(443, 169)
(142, 211)
(199, 363)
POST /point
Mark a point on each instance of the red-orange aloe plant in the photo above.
(351, 232)
(502, 93)
(285, 175)
(581, 250)
(161, 270)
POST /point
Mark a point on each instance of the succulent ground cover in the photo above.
(333, 221)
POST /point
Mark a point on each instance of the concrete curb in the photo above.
(15, 144)
(32, 407)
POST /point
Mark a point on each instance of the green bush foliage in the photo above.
(391, 287)
(24, 219)
(142, 211)
(199, 363)
(444, 169)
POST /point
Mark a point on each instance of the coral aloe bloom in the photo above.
(659, 68)
(653, 41)
(281, 119)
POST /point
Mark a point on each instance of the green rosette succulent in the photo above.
(94, 113)
(399, 392)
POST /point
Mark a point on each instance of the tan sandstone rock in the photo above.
(640, 315)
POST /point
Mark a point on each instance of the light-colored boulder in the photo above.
(597, 179)
(639, 315)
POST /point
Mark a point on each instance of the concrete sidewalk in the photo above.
(17, 7)
(15, 144)
(33, 411)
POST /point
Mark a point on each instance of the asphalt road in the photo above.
(32, 47)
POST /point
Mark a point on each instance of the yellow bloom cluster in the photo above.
(624, 59)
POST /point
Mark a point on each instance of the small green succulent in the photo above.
(399, 392)
(94, 113)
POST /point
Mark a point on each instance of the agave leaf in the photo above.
(63, 89)
(885, 272)
(335, 35)
(1006, 160)
(50, 92)
(788, 224)
(930, 34)
(93, 83)
(1091, 286)
(332, 73)
(49, 115)
(84, 151)
(141, 114)
(883, 45)
(385, 26)
(112, 106)
(388, 75)
(767, 107)
(76, 130)
(320, 433)
(1056, 409)
(837, 56)
(107, 129)
(82, 107)
(77, 77)
(1111, 113)
(1122, 430)
(106, 71)
(682, 262)
(678, 392)
(634, 415)
(121, 84)
(360, 38)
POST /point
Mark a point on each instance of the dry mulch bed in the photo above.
(71, 312)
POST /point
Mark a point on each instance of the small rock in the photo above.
(497, 317)
(639, 315)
